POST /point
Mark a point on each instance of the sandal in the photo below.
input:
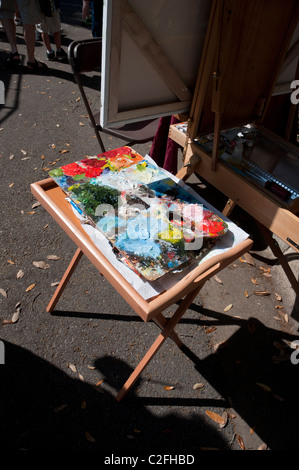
(13, 60)
(36, 66)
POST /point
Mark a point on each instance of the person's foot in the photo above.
(36, 66)
(51, 55)
(61, 55)
(18, 21)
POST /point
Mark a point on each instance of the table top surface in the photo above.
(53, 199)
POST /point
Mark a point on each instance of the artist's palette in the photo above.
(152, 222)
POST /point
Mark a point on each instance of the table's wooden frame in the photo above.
(53, 200)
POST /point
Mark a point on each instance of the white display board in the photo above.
(150, 57)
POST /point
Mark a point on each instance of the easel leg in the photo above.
(60, 288)
(166, 332)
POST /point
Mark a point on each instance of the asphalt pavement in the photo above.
(62, 370)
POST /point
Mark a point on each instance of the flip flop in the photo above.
(36, 66)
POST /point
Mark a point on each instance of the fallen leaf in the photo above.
(36, 204)
(168, 387)
(262, 446)
(72, 367)
(3, 292)
(23, 152)
(217, 279)
(278, 297)
(264, 387)
(240, 441)
(211, 329)
(16, 315)
(99, 382)
(89, 437)
(246, 293)
(11, 185)
(261, 292)
(40, 264)
(254, 281)
(30, 287)
(20, 274)
(81, 377)
(60, 407)
(216, 417)
(228, 307)
(63, 151)
(10, 261)
(53, 257)
(14, 318)
(81, 124)
(54, 283)
(198, 386)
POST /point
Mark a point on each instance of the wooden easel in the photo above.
(237, 75)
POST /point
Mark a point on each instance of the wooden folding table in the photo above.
(54, 201)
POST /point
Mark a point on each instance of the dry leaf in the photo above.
(16, 315)
(30, 287)
(73, 367)
(198, 386)
(3, 292)
(54, 257)
(278, 297)
(20, 274)
(168, 387)
(10, 261)
(54, 283)
(228, 307)
(261, 292)
(40, 264)
(81, 377)
(240, 441)
(211, 329)
(63, 151)
(254, 281)
(60, 407)
(36, 204)
(264, 387)
(99, 383)
(263, 446)
(216, 417)
(89, 437)
(246, 293)
(217, 279)
(14, 318)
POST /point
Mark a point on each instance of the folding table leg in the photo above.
(60, 288)
(165, 333)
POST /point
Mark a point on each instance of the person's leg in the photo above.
(10, 30)
(29, 36)
(30, 15)
(7, 19)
